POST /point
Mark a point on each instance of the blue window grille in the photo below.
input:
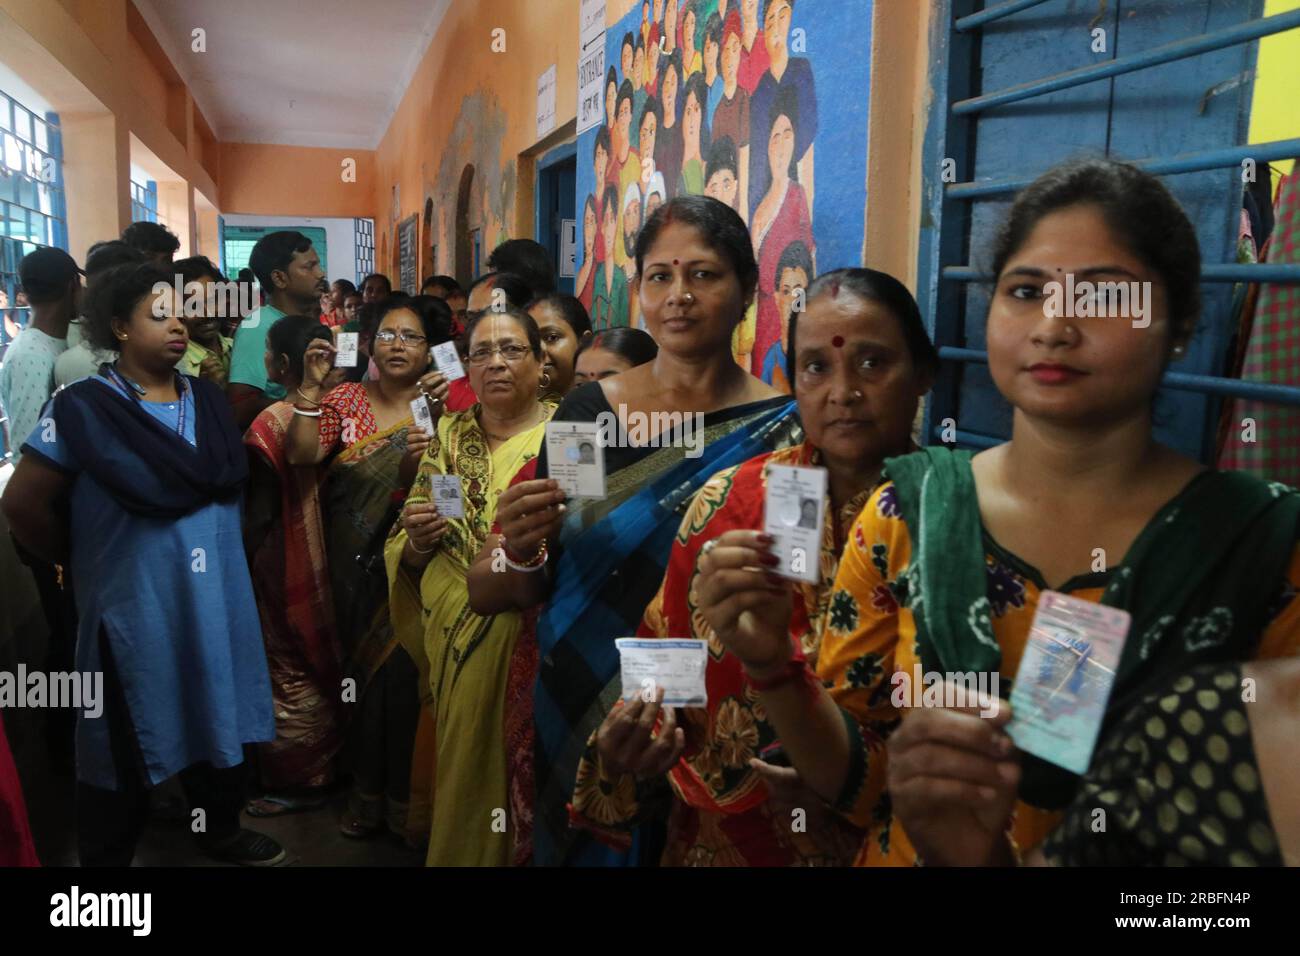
(364, 233)
(144, 201)
(32, 208)
(1174, 98)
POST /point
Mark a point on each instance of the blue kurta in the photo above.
(175, 600)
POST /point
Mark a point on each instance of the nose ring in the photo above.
(857, 394)
(688, 297)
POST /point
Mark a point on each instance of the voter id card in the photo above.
(345, 349)
(423, 416)
(793, 512)
(1065, 678)
(447, 361)
(445, 491)
(675, 664)
(575, 458)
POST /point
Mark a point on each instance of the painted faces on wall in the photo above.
(776, 28)
(724, 187)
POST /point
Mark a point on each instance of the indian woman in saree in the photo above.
(366, 432)
(285, 540)
(696, 276)
(464, 658)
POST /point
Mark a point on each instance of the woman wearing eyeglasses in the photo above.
(464, 658)
(365, 434)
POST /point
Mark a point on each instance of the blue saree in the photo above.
(609, 562)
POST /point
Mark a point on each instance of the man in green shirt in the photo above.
(290, 274)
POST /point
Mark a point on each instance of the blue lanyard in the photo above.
(136, 390)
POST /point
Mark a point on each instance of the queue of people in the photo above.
(456, 668)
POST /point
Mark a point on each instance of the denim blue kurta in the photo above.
(175, 602)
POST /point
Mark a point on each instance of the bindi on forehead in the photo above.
(838, 341)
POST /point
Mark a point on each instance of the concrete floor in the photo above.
(311, 839)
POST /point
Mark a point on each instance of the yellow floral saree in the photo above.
(464, 658)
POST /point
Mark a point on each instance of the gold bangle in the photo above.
(416, 548)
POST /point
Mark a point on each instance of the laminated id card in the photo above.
(676, 665)
(1066, 674)
(346, 347)
(423, 416)
(447, 361)
(575, 458)
(445, 491)
(793, 512)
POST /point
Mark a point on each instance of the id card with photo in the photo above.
(346, 348)
(1065, 678)
(445, 491)
(793, 512)
(423, 416)
(575, 458)
(447, 361)
(676, 665)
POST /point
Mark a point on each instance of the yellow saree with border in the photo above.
(464, 658)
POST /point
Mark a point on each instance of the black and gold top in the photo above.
(1175, 784)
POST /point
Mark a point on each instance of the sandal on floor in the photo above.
(277, 805)
(364, 817)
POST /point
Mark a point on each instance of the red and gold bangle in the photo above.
(794, 670)
(515, 562)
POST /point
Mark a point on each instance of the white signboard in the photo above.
(591, 83)
(568, 248)
(591, 24)
(546, 102)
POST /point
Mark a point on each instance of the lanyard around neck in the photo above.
(136, 391)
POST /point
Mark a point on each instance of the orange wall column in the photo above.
(97, 178)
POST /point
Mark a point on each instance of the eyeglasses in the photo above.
(388, 337)
(511, 353)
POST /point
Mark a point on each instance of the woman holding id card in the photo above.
(365, 437)
(860, 363)
(949, 567)
(465, 658)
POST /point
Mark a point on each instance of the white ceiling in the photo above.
(297, 72)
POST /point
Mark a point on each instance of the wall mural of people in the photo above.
(761, 104)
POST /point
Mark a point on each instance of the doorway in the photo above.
(556, 224)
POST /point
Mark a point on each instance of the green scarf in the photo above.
(1199, 581)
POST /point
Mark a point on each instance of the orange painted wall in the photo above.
(146, 79)
(467, 104)
(259, 179)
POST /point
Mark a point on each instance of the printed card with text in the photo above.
(575, 458)
(1065, 678)
(423, 416)
(675, 664)
(446, 492)
(794, 510)
(347, 346)
(447, 361)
